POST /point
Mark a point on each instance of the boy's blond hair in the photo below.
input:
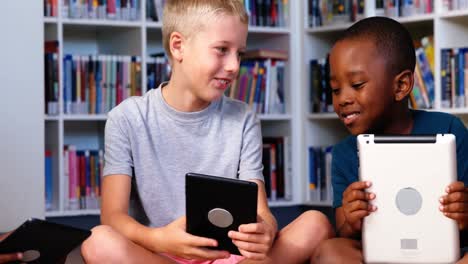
(188, 16)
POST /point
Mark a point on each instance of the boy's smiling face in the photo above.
(361, 85)
(211, 57)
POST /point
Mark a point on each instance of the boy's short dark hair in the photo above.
(391, 38)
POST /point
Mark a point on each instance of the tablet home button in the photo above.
(220, 217)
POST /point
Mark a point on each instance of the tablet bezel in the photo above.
(53, 241)
(206, 192)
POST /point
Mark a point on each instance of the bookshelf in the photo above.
(303, 43)
(141, 38)
(449, 30)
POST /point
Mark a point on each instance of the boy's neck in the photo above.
(401, 122)
(181, 99)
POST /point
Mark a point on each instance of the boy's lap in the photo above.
(233, 259)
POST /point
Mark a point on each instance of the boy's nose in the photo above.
(232, 63)
(345, 98)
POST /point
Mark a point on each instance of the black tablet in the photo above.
(216, 205)
(42, 241)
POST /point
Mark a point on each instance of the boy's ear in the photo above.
(176, 46)
(403, 85)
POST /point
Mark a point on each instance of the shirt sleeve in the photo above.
(250, 164)
(118, 154)
(461, 134)
(339, 182)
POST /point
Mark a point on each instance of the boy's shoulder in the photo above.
(433, 122)
(132, 105)
(347, 143)
(235, 106)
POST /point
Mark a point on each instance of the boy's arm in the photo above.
(263, 209)
(114, 212)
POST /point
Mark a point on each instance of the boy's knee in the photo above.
(317, 223)
(102, 241)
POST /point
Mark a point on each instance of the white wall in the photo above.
(21, 112)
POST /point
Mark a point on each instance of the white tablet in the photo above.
(409, 174)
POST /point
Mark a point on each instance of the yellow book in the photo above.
(427, 44)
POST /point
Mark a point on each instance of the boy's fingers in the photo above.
(458, 186)
(360, 185)
(247, 237)
(454, 208)
(252, 228)
(459, 217)
(197, 241)
(358, 205)
(356, 216)
(454, 197)
(5, 258)
(250, 247)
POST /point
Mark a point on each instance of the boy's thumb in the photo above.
(5, 258)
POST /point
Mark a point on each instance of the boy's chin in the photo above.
(356, 130)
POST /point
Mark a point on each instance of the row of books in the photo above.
(422, 96)
(276, 168)
(448, 5)
(50, 8)
(95, 84)
(403, 8)
(154, 9)
(329, 12)
(268, 13)
(261, 81)
(320, 95)
(320, 186)
(158, 70)
(454, 77)
(82, 178)
(98, 9)
(325, 12)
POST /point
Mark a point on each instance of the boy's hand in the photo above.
(454, 204)
(254, 240)
(178, 242)
(356, 204)
(6, 258)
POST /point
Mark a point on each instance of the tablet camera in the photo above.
(30, 255)
(408, 201)
(220, 217)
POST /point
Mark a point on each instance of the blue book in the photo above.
(460, 92)
(98, 78)
(48, 180)
(312, 169)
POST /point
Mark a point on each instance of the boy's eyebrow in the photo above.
(354, 73)
(350, 74)
(229, 43)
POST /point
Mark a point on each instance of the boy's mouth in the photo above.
(222, 83)
(349, 118)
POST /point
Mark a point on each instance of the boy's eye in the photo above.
(240, 54)
(222, 49)
(335, 91)
(357, 85)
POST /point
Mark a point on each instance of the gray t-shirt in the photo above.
(162, 144)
